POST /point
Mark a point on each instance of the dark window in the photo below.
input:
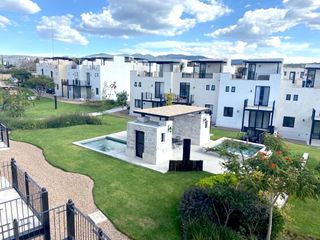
(301, 74)
(139, 84)
(57, 86)
(163, 137)
(213, 87)
(184, 90)
(311, 76)
(97, 91)
(288, 97)
(227, 88)
(233, 89)
(135, 84)
(285, 73)
(159, 89)
(207, 87)
(137, 103)
(252, 71)
(51, 74)
(295, 97)
(262, 96)
(288, 122)
(228, 111)
(88, 78)
(292, 76)
(42, 72)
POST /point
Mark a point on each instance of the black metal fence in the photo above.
(28, 215)
(4, 135)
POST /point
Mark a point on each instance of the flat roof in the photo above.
(265, 60)
(164, 61)
(313, 65)
(209, 60)
(171, 111)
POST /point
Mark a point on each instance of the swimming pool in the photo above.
(248, 151)
(105, 145)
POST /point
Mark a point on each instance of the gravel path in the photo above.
(60, 185)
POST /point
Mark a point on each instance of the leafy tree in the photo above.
(14, 102)
(169, 97)
(122, 98)
(40, 84)
(22, 75)
(109, 90)
(276, 175)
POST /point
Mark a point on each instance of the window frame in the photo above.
(289, 124)
(228, 111)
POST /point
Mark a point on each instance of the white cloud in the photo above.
(135, 17)
(263, 25)
(257, 24)
(4, 22)
(59, 27)
(22, 6)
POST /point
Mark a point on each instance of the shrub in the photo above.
(53, 122)
(203, 229)
(209, 182)
(223, 205)
(317, 167)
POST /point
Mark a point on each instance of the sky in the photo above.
(289, 29)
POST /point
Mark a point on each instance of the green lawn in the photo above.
(142, 203)
(45, 108)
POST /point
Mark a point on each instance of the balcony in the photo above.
(263, 106)
(150, 74)
(252, 76)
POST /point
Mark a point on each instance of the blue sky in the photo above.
(213, 28)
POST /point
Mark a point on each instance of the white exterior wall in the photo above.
(308, 99)
(147, 85)
(244, 89)
(155, 151)
(58, 68)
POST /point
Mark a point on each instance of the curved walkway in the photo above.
(61, 185)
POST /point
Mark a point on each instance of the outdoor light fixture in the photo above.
(170, 128)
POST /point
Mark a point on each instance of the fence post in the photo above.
(15, 229)
(26, 182)
(14, 174)
(45, 213)
(7, 136)
(70, 220)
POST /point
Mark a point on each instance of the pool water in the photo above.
(250, 148)
(106, 145)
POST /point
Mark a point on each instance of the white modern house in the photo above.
(56, 68)
(189, 83)
(298, 112)
(89, 78)
(248, 97)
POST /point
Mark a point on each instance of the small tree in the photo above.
(169, 98)
(276, 175)
(108, 90)
(122, 98)
(22, 75)
(40, 84)
(13, 101)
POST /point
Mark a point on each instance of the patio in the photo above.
(211, 162)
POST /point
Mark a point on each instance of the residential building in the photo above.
(55, 68)
(298, 113)
(190, 83)
(248, 97)
(89, 78)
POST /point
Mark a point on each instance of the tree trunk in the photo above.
(270, 219)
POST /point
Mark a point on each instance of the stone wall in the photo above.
(193, 126)
(155, 150)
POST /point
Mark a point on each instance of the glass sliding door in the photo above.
(184, 90)
(251, 71)
(261, 96)
(159, 89)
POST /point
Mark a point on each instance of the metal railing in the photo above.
(197, 75)
(4, 135)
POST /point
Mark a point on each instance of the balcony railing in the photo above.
(197, 75)
(150, 74)
(256, 76)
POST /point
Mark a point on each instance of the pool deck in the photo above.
(211, 162)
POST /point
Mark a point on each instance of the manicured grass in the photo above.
(142, 203)
(304, 215)
(44, 108)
